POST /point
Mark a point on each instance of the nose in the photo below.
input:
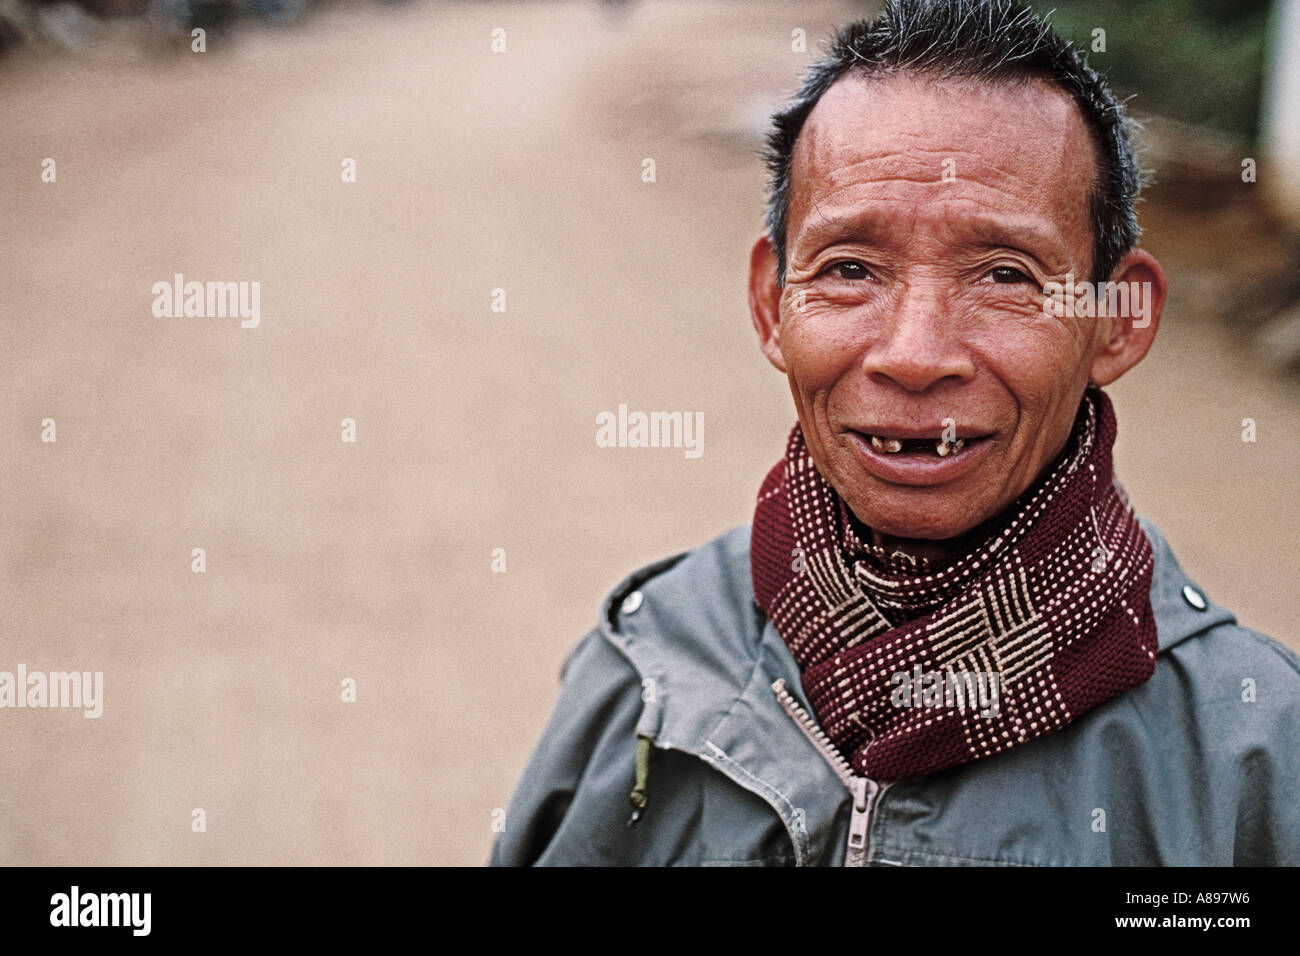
(920, 347)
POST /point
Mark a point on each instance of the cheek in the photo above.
(820, 343)
(1039, 358)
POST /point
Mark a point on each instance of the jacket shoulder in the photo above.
(675, 627)
(690, 622)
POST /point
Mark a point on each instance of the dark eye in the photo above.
(1007, 275)
(849, 270)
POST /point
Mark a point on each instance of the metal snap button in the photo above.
(632, 602)
(1194, 597)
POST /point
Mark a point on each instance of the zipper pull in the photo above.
(864, 792)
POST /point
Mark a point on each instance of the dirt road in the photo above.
(327, 560)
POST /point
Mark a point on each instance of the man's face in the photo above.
(925, 219)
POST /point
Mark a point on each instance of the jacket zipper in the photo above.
(865, 791)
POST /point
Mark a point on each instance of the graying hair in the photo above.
(991, 40)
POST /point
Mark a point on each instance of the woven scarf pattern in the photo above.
(1054, 601)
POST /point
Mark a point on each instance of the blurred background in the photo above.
(477, 170)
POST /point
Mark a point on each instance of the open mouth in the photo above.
(910, 457)
(924, 447)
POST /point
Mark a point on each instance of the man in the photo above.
(947, 638)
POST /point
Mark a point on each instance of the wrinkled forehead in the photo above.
(1016, 147)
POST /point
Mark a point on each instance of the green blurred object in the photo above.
(1200, 61)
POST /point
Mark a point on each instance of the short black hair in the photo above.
(981, 39)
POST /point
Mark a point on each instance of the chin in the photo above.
(911, 516)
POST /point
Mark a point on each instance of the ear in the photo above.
(1126, 338)
(765, 301)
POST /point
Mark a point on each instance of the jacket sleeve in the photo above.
(570, 806)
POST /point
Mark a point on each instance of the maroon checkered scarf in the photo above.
(1055, 602)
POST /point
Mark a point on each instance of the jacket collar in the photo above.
(708, 657)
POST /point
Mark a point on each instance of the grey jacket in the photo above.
(1199, 765)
